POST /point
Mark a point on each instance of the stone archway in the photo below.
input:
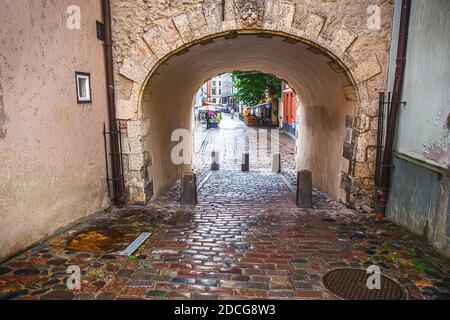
(145, 54)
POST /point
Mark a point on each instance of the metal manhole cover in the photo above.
(351, 284)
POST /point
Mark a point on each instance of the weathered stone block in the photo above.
(368, 183)
(170, 34)
(229, 23)
(139, 51)
(370, 108)
(342, 40)
(365, 139)
(135, 92)
(362, 170)
(133, 70)
(374, 123)
(181, 21)
(198, 22)
(156, 42)
(363, 91)
(125, 145)
(137, 194)
(314, 26)
(297, 30)
(367, 68)
(271, 13)
(286, 16)
(135, 162)
(137, 129)
(213, 17)
(323, 42)
(363, 123)
(135, 146)
(126, 109)
(150, 62)
(371, 154)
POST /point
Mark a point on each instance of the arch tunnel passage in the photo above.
(322, 112)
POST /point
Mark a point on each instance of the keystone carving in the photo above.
(249, 12)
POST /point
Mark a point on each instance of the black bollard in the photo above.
(245, 165)
(304, 189)
(189, 189)
(215, 165)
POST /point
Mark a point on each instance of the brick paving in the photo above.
(245, 239)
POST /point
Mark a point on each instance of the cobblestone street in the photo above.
(245, 239)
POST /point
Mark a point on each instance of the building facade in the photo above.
(420, 178)
(201, 96)
(289, 109)
(228, 91)
(52, 157)
(220, 90)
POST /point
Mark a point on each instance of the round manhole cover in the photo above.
(351, 284)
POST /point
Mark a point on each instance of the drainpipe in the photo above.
(383, 191)
(118, 190)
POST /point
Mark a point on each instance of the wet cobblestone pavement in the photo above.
(244, 239)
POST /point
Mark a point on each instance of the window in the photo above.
(83, 81)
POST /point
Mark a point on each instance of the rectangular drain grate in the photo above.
(134, 245)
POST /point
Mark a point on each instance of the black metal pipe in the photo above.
(106, 159)
(223, 10)
(381, 107)
(118, 190)
(392, 117)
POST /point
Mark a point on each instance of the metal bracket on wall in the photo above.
(384, 112)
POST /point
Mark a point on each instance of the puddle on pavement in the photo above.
(100, 240)
(113, 234)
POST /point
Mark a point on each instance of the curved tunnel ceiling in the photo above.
(308, 72)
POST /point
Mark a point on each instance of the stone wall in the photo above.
(420, 187)
(148, 33)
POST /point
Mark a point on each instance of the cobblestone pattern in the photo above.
(230, 142)
(245, 239)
